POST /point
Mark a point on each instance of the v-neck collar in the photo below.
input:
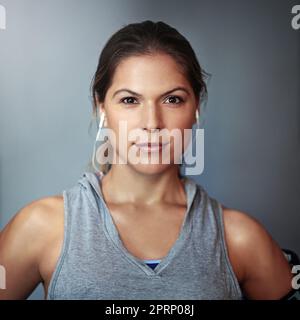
(190, 189)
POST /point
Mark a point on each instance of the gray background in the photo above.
(48, 55)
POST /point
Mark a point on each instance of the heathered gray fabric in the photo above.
(94, 264)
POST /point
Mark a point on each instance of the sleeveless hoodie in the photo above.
(94, 263)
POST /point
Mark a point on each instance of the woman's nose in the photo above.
(152, 117)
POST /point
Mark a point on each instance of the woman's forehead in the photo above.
(148, 74)
(149, 65)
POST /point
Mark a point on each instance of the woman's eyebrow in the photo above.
(139, 95)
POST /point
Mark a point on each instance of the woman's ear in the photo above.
(99, 105)
(102, 114)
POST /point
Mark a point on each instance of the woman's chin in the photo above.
(150, 169)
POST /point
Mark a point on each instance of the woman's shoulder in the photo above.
(253, 254)
(36, 221)
(26, 239)
(242, 229)
(41, 211)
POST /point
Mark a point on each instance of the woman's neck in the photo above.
(123, 184)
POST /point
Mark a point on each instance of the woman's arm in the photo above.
(23, 242)
(264, 272)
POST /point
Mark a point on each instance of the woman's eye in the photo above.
(175, 99)
(128, 100)
(172, 100)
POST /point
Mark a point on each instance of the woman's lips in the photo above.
(151, 146)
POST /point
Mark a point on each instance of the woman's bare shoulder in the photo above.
(24, 241)
(39, 214)
(256, 257)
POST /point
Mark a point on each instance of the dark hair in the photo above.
(142, 38)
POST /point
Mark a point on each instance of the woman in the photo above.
(140, 230)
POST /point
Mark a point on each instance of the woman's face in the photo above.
(145, 96)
